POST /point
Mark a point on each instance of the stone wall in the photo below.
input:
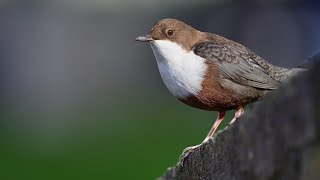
(277, 138)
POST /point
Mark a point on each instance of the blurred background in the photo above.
(81, 100)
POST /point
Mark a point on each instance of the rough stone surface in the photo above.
(277, 138)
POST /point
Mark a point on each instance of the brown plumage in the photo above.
(234, 75)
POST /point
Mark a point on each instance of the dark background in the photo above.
(80, 99)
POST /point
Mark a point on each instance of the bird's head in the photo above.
(174, 31)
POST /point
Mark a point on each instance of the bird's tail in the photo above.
(305, 66)
(286, 74)
(311, 61)
(295, 71)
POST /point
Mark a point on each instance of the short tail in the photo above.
(311, 61)
(295, 71)
(305, 66)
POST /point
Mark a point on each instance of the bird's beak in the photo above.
(145, 38)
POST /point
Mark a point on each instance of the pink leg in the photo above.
(215, 125)
(238, 113)
(188, 150)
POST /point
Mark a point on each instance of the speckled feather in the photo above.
(242, 66)
(210, 72)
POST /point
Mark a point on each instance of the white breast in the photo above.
(181, 71)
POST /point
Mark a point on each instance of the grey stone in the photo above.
(277, 138)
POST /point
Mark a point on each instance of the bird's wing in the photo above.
(237, 63)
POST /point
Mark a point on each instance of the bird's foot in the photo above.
(186, 153)
(238, 113)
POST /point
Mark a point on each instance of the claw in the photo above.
(186, 153)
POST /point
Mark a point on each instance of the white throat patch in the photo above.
(181, 71)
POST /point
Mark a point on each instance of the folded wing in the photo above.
(239, 64)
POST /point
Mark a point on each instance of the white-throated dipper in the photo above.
(210, 72)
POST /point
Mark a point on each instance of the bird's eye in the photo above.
(170, 32)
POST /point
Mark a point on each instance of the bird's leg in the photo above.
(238, 113)
(215, 126)
(188, 150)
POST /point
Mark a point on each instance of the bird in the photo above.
(210, 72)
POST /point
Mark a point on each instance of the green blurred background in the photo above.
(81, 100)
